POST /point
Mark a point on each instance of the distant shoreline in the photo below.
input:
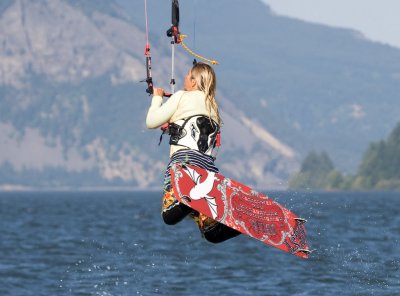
(20, 188)
(9, 188)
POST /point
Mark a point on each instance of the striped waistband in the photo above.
(195, 158)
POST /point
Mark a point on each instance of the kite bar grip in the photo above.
(149, 90)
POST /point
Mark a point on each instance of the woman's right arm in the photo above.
(160, 113)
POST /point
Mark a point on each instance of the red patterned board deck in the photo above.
(240, 208)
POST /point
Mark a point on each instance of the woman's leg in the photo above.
(219, 233)
(172, 210)
(214, 231)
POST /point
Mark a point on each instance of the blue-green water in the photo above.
(115, 243)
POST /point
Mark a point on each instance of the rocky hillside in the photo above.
(72, 111)
(314, 87)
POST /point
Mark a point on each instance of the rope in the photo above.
(181, 37)
(149, 78)
(147, 24)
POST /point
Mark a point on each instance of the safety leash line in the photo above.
(147, 54)
(181, 37)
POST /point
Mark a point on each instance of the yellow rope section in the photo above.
(181, 37)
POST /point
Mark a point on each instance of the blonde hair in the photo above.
(205, 78)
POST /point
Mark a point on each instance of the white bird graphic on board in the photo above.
(201, 190)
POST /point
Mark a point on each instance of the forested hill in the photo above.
(379, 169)
(72, 111)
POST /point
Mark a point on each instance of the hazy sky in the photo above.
(377, 19)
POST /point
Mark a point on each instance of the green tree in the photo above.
(317, 163)
(380, 166)
(334, 180)
(317, 172)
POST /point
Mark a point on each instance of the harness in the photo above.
(197, 132)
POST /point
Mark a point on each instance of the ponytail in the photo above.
(207, 83)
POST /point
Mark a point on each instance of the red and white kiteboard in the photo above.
(240, 207)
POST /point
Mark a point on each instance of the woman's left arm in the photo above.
(160, 113)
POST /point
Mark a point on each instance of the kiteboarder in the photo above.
(191, 118)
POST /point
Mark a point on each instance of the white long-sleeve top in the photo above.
(180, 105)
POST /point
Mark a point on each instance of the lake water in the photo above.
(115, 243)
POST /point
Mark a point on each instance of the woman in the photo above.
(194, 124)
